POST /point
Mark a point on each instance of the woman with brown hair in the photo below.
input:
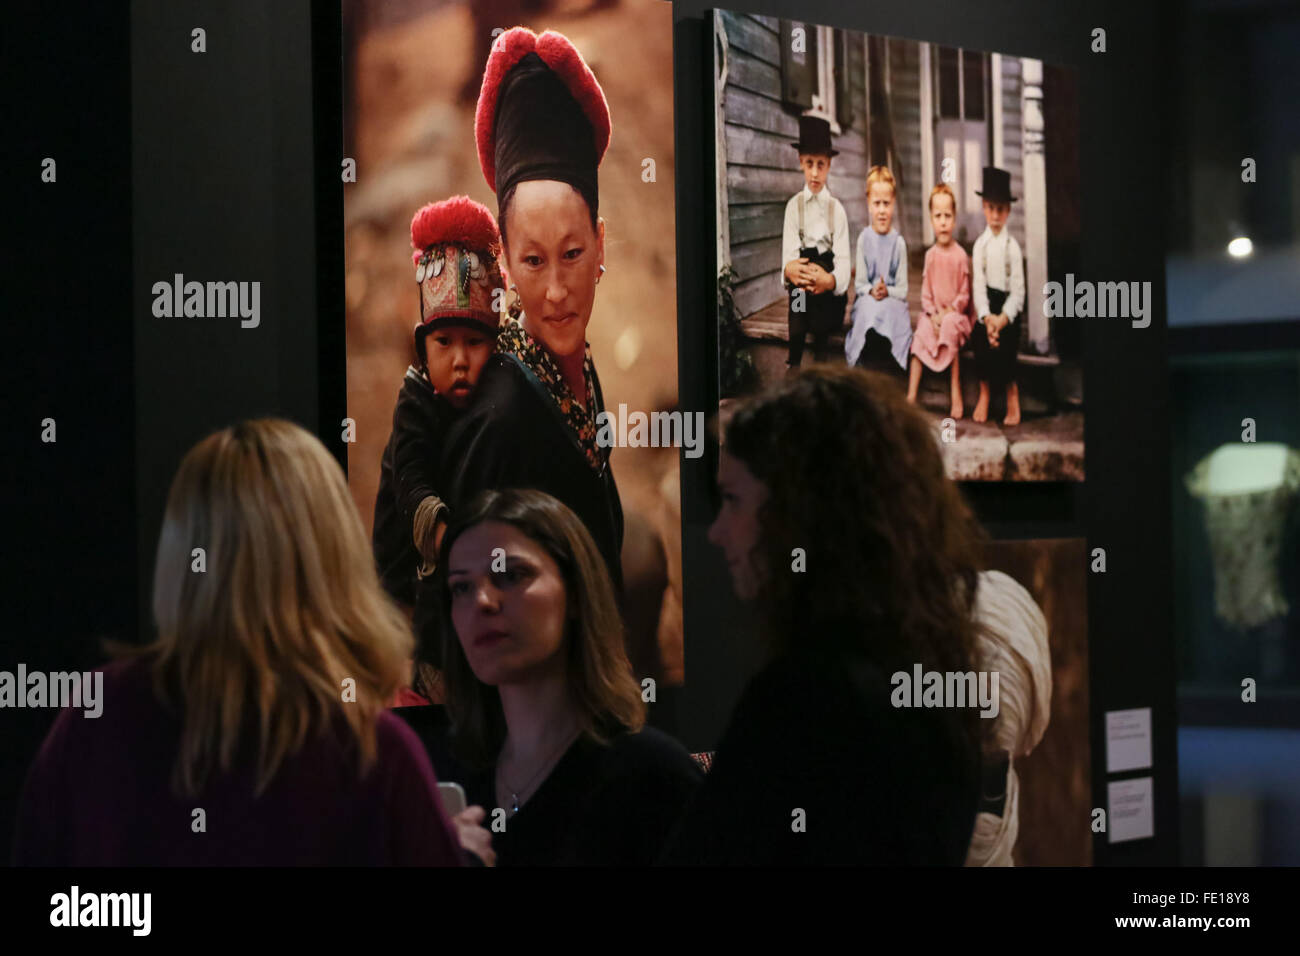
(544, 710)
(837, 520)
(253, 730)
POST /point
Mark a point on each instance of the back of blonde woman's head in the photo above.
(259, 634)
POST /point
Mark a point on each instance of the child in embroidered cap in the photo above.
(814, 247)
(998, 288)
(880, 303)
(459, 282)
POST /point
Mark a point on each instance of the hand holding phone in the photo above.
(453, 798)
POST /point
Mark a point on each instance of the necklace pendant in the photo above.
(514, 803)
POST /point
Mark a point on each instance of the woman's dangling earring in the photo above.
(602, 274)
(515, 307)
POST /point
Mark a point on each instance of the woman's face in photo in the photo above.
(737, 529)
(554, 257)
(508, 604)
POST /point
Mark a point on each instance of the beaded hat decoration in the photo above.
(456, 269)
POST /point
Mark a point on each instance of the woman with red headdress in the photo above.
(542, 126)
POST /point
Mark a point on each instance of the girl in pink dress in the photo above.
(944, 323)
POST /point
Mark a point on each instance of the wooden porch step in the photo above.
(770, 324)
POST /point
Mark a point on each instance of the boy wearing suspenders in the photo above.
(814, 247)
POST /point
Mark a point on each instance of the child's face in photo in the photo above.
(880, 206)
(941, 218)
(454, 357)
(815, 170)
(554, 256)
(995, 214)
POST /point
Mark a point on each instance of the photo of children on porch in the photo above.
(899, 206)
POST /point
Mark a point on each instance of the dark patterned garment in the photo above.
(579, 416)
(524, 428)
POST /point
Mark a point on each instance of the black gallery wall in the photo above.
(223, 166)
(70, 567)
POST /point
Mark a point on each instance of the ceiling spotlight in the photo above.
(1240, 247)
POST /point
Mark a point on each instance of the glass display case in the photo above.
(1236, 615)
(1235, 471)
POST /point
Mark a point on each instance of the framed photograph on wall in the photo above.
(415, 127)
(972, 157)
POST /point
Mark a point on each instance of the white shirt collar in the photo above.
(809, 195)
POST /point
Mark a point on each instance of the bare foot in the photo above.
(981, 413)
(1013, 406)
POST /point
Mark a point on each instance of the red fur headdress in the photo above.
(456, 243)
(564, 60)
(459, 220)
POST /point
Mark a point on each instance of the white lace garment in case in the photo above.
(1247, 491)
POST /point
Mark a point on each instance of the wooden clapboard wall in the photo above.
(903, 72)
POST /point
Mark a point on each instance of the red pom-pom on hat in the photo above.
(458, 220)
(558, 53)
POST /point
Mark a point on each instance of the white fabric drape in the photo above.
(1013, 642)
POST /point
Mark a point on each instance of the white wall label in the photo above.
(1128, 739)
(1132, 811)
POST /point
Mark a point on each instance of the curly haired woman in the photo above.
(838, 521)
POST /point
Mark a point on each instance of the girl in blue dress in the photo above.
(880, 306)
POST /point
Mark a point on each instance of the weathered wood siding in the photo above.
(905, 104)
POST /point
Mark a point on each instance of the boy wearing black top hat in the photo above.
(814, 247)
(998, 293)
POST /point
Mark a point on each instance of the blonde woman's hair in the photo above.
(607, 695)
(943, 189)
(253, 650)
(881, 174)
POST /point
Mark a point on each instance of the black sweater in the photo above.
(609, 804)
(816, 732)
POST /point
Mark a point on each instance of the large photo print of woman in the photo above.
(514, 162)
